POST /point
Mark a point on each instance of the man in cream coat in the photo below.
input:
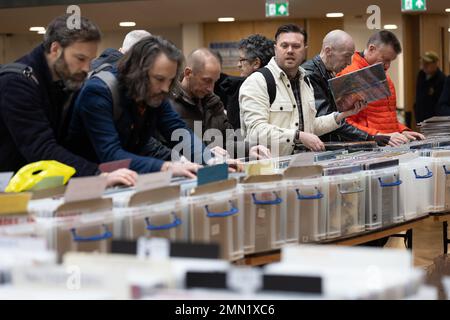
(291, 119)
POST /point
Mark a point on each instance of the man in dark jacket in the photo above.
(145, 76)
(444, 100)
(430, 82)
(195, 100)
(203, 111)
(34, 111)
(337, 50)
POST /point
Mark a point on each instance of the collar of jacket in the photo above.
(181, 96)
(36, 59)
(318, 62)
(359, 60)
(279, 73)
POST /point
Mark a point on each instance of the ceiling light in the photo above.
(448, 29)
(41, 32)
(447, 10)
(127, 24)
(390, 26)
(335, 15)
(226, 19)
(37, 29)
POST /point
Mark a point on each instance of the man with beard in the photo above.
(144, 77)
(34, 106)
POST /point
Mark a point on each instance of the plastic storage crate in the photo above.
(306, 199)
(264, 213)
(417, 189)
(440, 164)
(382, 194)
(89, 232)
(346, 202)
(85, 225)
(157, 213)
(216, 217)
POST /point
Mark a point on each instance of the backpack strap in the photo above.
(19, 68)
(113, 85)
(101, 67)
(270, 80)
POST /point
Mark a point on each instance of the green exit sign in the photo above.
(277, 9)
(414, 5)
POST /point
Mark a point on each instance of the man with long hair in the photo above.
(145, 76)
(34, 107)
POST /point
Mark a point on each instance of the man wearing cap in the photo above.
(430, 82)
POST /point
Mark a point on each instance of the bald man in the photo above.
(196, 101)
(337, 50)
(204, 112)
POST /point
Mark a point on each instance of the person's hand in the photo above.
(396, 139)
(220, 152)
(121, 176)
(357, 107)
(181, 169)
(412, 135)
(380, 139)
(311, 141)
(260, 152)
(213, 103)
(235, 165)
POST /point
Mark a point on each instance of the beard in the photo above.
(154, 101)
(72, 81)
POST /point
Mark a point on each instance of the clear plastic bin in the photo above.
(306, 199)
(264, 213)
(417, 189)
(216, 217)
(157, 213)
(346, 204)
(88, 232)
(441, 184)
(382, 194)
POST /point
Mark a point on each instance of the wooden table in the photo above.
(371, 235)
(351, 240)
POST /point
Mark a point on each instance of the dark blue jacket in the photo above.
(110, 55)
(32, 122)
(428, 92)
(444, 100)
(94, 133)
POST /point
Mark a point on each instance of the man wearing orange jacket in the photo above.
(380, 117)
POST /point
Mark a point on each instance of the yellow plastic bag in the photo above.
(31, 174)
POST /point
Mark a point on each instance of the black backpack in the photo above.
(19, 68)
(231, 87)
(271, 86)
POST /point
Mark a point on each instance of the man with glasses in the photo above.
(291, 118)
(255, 52)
